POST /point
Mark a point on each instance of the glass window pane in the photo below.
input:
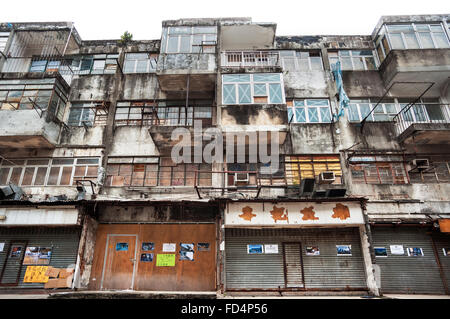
(370, 63)
(325, 114)
(40, 176)
(396, 41)
(316, 63)
(365, 109)
(313, 115)
(275, 92)
(172, 46)
(441, 40)
(317, 102)
(346, 64)
(244, 93)
(185, 44)
(358, 63)
(411, 41)
(300, 115)
(236, 78)
(259, 89)
(353, 113)
(229, 94)
(434, 112)
(266, 78)
(425, 39)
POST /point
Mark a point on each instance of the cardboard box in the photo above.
(64, 273)
(52, 272)
(59, 283)
(51, 283)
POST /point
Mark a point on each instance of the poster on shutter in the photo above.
(397, 250)
(187, 255)
(2, 245)
(202, 246)
(146, 257)
(380, 251)
(169, 248)
(446, 251)
(312, 251)
(271, 249)
(255, 249)
(15, 251)
(165, 260)
(36, 274)
(148, 246)
(344, 250)
(414, 251)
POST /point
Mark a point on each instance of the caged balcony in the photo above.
(425, 123)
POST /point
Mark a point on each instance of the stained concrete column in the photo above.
(370, 271)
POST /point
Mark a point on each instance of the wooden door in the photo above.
(293, 265)
(119, 263)
(12, 267)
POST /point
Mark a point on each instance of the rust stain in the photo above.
(279, 214)
(308, 213)
(341, 211)
(247, 213)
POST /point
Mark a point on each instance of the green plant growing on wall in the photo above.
(125, 38)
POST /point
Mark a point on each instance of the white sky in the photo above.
(101, 19)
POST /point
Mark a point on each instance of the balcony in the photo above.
(426, 66)
(424, 124)
(268, 61)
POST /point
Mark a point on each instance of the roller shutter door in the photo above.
(63, 240)
(442, 240)
(402, 273)
(266, 271)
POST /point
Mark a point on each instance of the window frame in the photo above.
(291, 109)
(169, 32)
(149, 69)
(315, 160)
(362, 164)
(352, 56)
(296, 58)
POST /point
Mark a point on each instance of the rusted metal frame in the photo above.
(298, 289)
(25, 242)
(284, 264)
(301, 265)
(441, 271)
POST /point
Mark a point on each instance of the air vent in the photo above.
(326, 178)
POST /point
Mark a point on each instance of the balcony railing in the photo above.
(422, 114)
(250, 59)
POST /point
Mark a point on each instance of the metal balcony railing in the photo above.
(426, 113)
(250, 58)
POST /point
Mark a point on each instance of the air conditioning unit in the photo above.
(241, 178)
(307, 186)
(419, 164)
(326, 178)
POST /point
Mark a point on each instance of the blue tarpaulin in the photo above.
(343, 98)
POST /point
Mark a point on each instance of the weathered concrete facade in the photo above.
(104, 137)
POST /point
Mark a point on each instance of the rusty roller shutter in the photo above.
(247, 271)
(63, 240)
(402, 273)
(442, 241)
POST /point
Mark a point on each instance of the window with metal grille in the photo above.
(187, 39)
(298, 167)
(88, 113)
(309, 111)
(379, 169)
(437, 172)
(3, 40)
(155, 171)
(253, 88)
(360, 108)
(46, 172)
(164, 113)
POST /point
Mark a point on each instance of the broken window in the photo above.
(309, 111)
(164, 113)
(51, 172)
(380, 169)
(353, 59)
(42, 94)
(301, 60)
(253, 88)
(140, 63)
(186, 39)
(92, 64)
(155, 171)
(88, 113)
(301, 167)
(358, 109)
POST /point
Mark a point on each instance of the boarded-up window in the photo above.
(301, 167)
(378, 169)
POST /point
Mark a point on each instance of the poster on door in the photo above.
(165, 260)
(36, 274)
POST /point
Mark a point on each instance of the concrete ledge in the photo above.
(125, 294)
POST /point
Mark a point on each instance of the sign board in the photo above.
(444, 225)
(397, 250)
(271, 249)
(165, 260)
(169, 248)
(36, 274)
(293, 214)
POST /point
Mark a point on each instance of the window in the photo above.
(155, 171)
(140, 63)
(253, 174)
(301, 60)
(360, 108)
(188, 39)
(438, 171)
(309, 111)
(164, 113)
(26, 94)
(411, 36)
(88, 113)
(3, 40)
(253, 88)
(353, 59)
(46, 172)
(427, 110)
(301, 167)
(91, 64)
(380, 169)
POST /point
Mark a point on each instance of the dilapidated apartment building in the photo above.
(359, 202)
